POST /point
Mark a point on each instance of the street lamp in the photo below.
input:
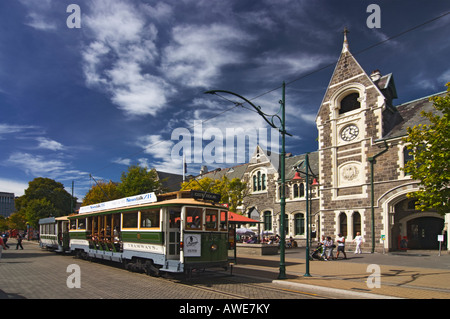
(270, 120)
(307, 172)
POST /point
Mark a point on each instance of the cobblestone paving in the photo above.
(39, 274)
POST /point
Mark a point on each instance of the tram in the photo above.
(54, 233)
(174, 232)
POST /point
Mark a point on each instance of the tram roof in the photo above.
(167, 199)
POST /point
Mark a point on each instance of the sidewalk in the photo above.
(412, 275)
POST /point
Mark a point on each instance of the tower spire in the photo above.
(345, 46)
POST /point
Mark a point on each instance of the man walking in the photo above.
(19, 242)
(341, 246)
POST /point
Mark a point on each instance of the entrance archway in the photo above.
(422, 232)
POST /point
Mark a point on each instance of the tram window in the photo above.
(150, 218)
(211, 219)
(194, 218)
(81, 224)
(223, 220)
(174, 217)
(73, 224)
(130, 220)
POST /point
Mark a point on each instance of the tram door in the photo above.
(173, 233)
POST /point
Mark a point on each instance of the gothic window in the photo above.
(349, 103)
(299, 190)
(343, 224)
(299, 224)
(356, 223)
(259, 181)
(267, 220)
(407, 156)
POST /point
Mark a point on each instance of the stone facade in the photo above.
(360, 137)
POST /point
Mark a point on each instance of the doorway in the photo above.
(423, 231)
(173, 233)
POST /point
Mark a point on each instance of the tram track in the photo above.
(241, 287)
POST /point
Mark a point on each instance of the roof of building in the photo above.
(410, 115)
(170, 181)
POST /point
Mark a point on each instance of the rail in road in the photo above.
(39, 274)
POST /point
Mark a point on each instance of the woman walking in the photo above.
(358, 240)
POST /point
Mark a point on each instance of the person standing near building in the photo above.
(358, 240)
(328, 247)
(2, 246)
(341, 246)
(19, 242)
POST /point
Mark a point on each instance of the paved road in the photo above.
(34, 273)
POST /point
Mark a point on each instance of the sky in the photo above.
(90, 87)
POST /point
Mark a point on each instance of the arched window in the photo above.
(356, 223)
(299, 190)
(343, 224)
(349, 103)
(302, 190)
(407, 156)
(267, 220)
(259, 181)
(299, 224)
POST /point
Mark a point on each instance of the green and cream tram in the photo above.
(54, 233)
(172, 233)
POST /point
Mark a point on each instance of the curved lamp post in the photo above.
(281, 128)
(307, 173)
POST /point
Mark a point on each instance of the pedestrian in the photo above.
(329, 246)
(19, 242)
(322, 247)
(2, 245)
(5, 239)
(341, 246)
(358, 240)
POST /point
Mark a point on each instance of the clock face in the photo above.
(349, 133)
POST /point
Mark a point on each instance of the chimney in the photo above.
(375, 76)
(203, 170)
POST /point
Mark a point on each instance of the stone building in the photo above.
(357, 182)
(360, 145)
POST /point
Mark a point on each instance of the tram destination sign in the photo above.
(205, 196)
(122, 202)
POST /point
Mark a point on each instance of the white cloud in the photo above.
(13, 186)
(160, 151)
(13, 128)
(120, 55)
(36, 165)
(444, 78)
(45, 143)
(122, 161)
(37, 17)
(197, 53)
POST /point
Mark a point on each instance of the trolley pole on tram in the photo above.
(282, 129)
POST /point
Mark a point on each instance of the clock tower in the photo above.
(353, 115)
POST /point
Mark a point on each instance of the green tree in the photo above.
(102, 192)
(37, 209)
(3, 223)
(232, 191)
(138, 180)
(429, 145)
(44, 197)
(17, 220)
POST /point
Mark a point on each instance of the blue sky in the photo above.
(96, 99)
